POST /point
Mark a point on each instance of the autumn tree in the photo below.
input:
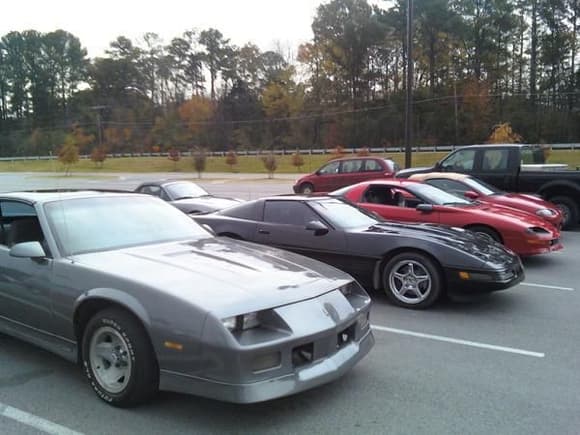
(503, 133)
(175, 156)
(297, 160)
(98, 156)
(199, 160)
(363, 152)
(69, 153)
(270, 164)
(231, 159)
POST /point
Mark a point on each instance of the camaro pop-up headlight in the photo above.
(546, 212)
(241, 322)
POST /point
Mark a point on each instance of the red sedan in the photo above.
(473, 188)
(411, 201)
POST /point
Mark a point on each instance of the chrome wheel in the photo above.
(110, 360)
(410, 282)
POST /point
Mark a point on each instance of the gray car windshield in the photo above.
(343, 215)
(436, 196)
(100, 224)
(185, 190)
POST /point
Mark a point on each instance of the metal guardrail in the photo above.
(317, 151)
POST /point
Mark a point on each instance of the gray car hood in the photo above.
(221, 275)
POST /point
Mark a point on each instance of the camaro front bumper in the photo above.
(304, 378)
(484, 281)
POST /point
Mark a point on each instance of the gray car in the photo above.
(146, 299)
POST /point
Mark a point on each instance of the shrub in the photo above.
(231, 159)
(271, 164)
(199, 160)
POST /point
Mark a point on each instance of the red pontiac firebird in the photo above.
(473, 188)
(411, 201)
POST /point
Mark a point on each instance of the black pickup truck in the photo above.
(515, 168)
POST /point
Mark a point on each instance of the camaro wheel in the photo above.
(486, 232)
(412, 281)
(118, 359)
(306, 188)
(569, 210)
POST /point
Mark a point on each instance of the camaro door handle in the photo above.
(261, 231)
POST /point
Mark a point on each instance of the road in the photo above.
(503, 363)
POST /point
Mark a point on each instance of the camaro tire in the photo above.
(118, 359)
(412, 280)
(569, 210)
(306, 188)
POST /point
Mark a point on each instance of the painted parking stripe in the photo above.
(555, 287)
(34, 421)
(460, 341)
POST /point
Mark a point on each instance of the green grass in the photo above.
(246, 164)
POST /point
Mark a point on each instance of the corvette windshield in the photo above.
(343, 215)
(481, 186)
(99, 224)
(185, 190)
(436, 196)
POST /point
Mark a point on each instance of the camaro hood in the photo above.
(458, 238)
(225, 276)
(520, 218)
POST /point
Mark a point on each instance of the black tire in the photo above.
(422, 266)
(134, 355)
(306, 188)
(569, 210)
(486, 231)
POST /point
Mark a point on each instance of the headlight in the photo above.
(241, 322)
(546, 212)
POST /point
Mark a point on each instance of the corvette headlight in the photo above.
(546, 212)
(241, 322)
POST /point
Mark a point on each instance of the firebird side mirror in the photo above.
(27, 250)
(471, 194)
(425, 208)
(318, 227)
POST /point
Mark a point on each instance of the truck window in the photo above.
(461, 161)
(532, 155)
(495, 160)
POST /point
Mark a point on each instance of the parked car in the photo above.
(344, 172)
(146, 299)
(187, 196)
(473, 188)
(515, 168)
(411, 201)
(413, 264)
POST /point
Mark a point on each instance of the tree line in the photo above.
(477, 63)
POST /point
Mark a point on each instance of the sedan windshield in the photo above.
(481, 186)
(436, 196)
(185, 190)
(343, 215)
(106, 223)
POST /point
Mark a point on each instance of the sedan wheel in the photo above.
(306, 189)
(118, 358)
(412, 281)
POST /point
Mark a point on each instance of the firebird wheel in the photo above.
(118, 359)
(487, 233)
(569, 211)
(412, 280)
(306, 188)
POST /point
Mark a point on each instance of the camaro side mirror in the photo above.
(27, 250)
(425, 208)
(471, 194)
(318, 227)
(208, 229)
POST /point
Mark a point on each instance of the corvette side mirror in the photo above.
(471, 194)
(318, 227)
(425, 208)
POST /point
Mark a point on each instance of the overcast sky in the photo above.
(98, 22)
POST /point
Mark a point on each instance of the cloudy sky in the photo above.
(97, 23)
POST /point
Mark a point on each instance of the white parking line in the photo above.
(459, 341)
(32, 420)
(555, 287)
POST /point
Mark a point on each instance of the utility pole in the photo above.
(455, 107)
(99, 129)
(409, 99)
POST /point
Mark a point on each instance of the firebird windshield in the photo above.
(100, 224)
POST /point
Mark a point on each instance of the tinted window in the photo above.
(13, 208)
(289, 213)
(461, 160)
(150, 190)
(494, 160)
(349, 166)
(331, 168)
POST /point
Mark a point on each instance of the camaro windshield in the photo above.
(481, 186)
(343, 215)
(185, 190)
(436, 196)
(99, 224)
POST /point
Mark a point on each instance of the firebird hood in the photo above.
(513, 216)
(458, 238)
(220, 275)
(205, 203)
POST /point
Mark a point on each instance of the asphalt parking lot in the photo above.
(502, 363)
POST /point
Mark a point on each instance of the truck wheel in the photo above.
(569, 210)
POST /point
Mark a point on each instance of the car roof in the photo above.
(339, 159)
(390, 181)
(431, 175)
(164, 182)
(41, 196)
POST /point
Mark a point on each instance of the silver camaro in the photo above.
(146, 299)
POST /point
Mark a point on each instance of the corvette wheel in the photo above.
(412, 281)
(306, 189)
(118, 359)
